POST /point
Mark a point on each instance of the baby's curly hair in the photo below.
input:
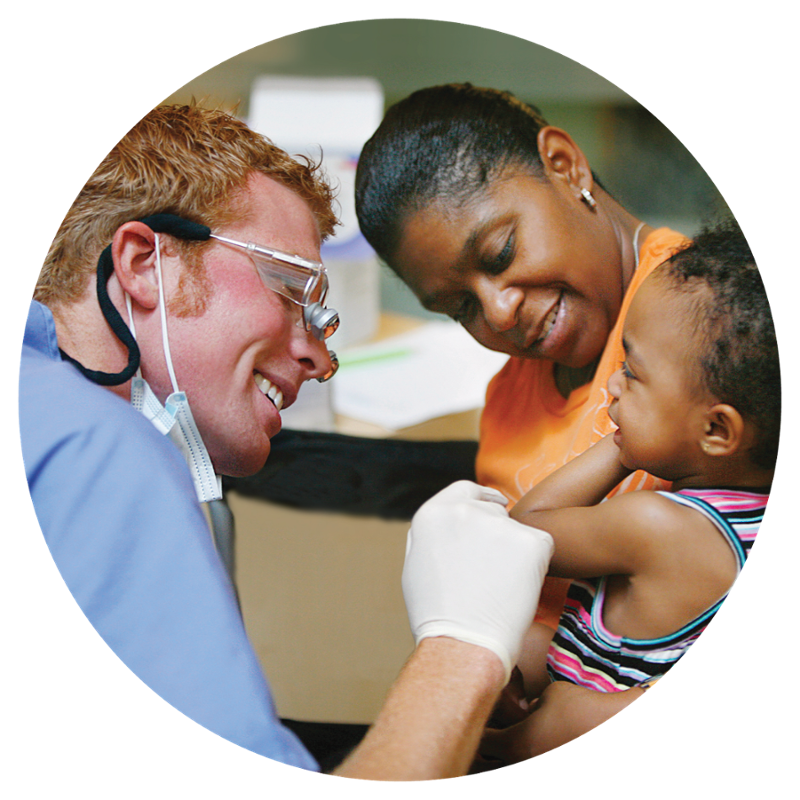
(736, 336)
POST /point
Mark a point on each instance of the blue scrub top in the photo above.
(118, 510)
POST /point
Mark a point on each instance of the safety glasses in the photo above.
(300, 280)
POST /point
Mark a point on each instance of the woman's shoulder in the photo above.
(658, 247)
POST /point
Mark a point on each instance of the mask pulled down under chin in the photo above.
(175, 419)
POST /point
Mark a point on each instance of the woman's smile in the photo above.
(553, 333)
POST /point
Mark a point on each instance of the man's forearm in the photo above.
(471, 574)
(434, 715)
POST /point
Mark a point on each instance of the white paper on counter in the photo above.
(404, 380)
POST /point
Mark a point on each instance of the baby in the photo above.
(696, 402)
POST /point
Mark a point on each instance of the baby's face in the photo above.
(658, 407)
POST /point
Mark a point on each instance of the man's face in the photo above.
(246, 350)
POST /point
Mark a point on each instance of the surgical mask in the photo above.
(174, 418)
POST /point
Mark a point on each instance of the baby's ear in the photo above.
(724, 430)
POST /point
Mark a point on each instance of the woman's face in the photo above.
(524, 266)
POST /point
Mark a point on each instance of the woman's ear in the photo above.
(563, 158)
(724, 431)
(133, 249)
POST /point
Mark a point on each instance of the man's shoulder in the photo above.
(59, 407)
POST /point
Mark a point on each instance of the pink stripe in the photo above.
(728, 500)
(572, 668)
(577, 610)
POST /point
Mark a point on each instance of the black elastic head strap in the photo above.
(158, 223)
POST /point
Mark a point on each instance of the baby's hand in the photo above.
(498, 748)
(512, 706)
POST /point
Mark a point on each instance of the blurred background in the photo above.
(319, 577)
(635, 156)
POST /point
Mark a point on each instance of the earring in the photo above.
(587, 198)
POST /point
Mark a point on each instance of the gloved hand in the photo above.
(472, 573)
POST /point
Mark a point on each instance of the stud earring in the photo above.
(587, 198)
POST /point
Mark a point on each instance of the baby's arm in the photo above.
(584, 481)
(594, 538)
(564, 712)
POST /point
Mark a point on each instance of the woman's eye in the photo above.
(500, 261)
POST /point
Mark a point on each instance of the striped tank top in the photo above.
(584, 652)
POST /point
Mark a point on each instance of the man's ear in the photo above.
(133, 249)
(724, 430)
(563, 158)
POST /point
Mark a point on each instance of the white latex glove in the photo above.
(472, 573)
